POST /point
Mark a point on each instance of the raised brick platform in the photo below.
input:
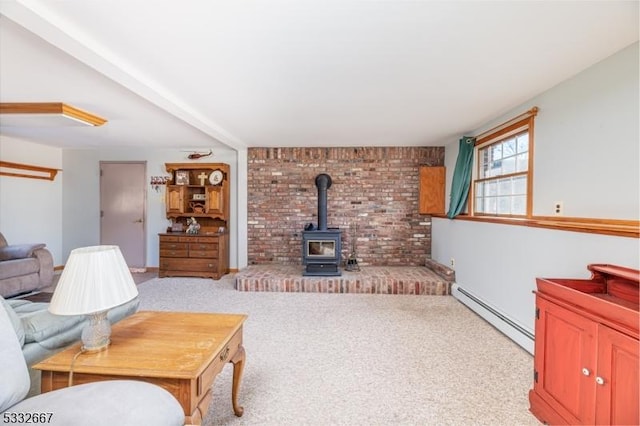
(371, 279)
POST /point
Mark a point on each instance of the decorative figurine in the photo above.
(193, 227)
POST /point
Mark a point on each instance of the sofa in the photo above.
(106, 403)
(24, 268)
(42, 334)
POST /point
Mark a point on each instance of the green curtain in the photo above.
(461, 177)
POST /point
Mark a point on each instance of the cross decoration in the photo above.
(202, 176)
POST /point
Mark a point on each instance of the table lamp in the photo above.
(94, 280)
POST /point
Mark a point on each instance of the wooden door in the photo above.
(432, 190)
(215, 200)
(175, 199)
(565, 360)
(617, 392)
(122, 209)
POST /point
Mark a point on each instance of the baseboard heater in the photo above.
(503, 323)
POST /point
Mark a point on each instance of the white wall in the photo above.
(586, 154)
(82, 197)
(31, 209)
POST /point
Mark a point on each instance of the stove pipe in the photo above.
(323, 182)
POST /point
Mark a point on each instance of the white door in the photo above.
(122, 209)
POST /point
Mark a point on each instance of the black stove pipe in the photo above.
(323, 182)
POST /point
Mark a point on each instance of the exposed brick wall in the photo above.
(374, 188)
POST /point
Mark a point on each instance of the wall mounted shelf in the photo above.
(27, 171)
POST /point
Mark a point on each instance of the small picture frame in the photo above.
(182, 177)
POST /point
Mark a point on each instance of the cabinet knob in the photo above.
(586, 372)
(600, 380)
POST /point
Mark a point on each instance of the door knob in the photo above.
(599, 380)
(138, 221)
(586, 372)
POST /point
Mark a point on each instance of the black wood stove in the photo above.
(321, 246)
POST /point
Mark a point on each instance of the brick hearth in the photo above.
(415, 280)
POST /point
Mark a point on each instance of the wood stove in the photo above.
(322, 246)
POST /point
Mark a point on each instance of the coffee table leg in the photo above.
(238, 366)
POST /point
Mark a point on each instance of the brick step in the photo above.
(413, 280)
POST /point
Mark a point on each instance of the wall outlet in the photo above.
(452, 262)
(558, 208)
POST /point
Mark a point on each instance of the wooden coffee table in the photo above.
(179, 351)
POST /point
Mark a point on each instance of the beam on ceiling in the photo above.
(35, 16)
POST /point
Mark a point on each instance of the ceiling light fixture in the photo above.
(48, 109)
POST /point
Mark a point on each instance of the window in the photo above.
(502, 175)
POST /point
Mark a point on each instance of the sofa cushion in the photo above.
(15, 320)
(18, 251)
(112, 402)
(41, 325)
(15, 377)
(18, 267)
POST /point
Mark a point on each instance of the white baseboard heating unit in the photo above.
(510, 328)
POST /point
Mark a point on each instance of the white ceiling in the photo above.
(202, 73)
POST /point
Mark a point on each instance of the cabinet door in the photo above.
(431, 192)
(565, 351)
(617, 391)
(215, 200)
(175, 199)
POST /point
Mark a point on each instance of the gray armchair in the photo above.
(24, 268)
(117, 402)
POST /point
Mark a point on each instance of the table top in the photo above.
(154, 344)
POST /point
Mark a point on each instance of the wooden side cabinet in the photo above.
(586, 362)
(432, 189)
(195, 255)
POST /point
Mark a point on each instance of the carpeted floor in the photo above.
(358, 359)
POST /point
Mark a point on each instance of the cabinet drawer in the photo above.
(208, 254)
(206, 240)
(172, 245)
(173, 253)
(205, 380)
(169, 238)
(203, 246)
(195, 265)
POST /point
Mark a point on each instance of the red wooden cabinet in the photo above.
(586, 349)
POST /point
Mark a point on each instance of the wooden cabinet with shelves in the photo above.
(586, 362)
(432, 190)
(199, 191)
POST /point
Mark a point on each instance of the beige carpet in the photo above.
(356, 359)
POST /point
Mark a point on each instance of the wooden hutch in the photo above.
(199, 191)
(586, 366)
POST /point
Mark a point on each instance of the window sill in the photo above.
(619, 228)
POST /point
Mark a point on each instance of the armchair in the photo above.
(24, 268)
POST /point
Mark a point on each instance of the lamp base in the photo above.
(96, 335)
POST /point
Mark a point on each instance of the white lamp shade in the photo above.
(94, 279)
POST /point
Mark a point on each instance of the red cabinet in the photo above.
(586, 349)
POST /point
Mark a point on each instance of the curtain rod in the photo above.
(531, 113)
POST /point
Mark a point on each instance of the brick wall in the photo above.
(374, 189)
